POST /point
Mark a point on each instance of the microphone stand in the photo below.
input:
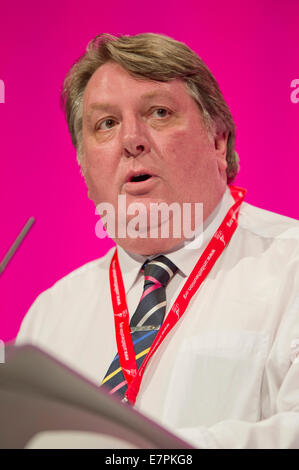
(16, 244)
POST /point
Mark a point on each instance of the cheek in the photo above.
(187, 150)
(94, 185)
(99, 160)
(97, 174)
(96, 152)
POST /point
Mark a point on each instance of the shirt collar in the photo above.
(184, 256)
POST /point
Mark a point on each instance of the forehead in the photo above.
(112, 83)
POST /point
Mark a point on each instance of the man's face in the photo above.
(133, 126)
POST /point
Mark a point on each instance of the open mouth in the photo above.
(138, 178)
(140, 182)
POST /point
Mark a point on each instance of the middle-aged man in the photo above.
(149, 123)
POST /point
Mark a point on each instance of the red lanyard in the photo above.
(202, 268)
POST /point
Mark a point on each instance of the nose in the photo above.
(132, 150)
(134, 137)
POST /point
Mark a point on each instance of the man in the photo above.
(149, 123)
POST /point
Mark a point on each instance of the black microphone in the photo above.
(16, 244)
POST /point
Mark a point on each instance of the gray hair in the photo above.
(151, 57)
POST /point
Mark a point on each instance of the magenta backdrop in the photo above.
(252, 49)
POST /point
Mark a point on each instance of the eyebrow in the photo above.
(156, 94)
(106, 107)
(101, 107)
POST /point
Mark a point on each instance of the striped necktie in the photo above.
(146, 321)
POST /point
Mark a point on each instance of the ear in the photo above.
(220, 141)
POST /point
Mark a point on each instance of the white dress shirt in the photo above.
(227, 375)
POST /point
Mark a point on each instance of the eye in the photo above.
(161, 112)
(106, 124)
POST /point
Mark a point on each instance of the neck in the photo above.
(165, 247)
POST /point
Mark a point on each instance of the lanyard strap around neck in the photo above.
(202, 268)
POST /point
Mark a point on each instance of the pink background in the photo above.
(252, 49)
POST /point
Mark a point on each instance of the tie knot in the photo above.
(159, 269)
